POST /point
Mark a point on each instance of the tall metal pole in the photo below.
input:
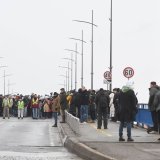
(68, 76)
(111, 49)
(76, 68)
(92, 55)
(71, 70)
(92, 24)
(66, 81)
(4, 83)
(82, 63)
(81, 57)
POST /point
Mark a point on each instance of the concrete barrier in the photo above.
(73, 122)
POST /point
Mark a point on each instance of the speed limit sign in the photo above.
(128, 72)
(107, 75)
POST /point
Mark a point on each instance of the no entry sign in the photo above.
(128, 72)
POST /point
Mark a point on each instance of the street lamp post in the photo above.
(92, 24)
(66, 73)
(71, 59)
(65, 82)
(110, 68)
(76, 52)
(10, 84)
(81, 58)
(4, 76)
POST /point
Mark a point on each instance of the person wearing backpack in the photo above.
(102, 103)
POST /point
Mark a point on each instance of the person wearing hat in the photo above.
(55, 107)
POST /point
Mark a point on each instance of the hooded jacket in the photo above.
(127, 105)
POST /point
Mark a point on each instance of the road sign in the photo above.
(128, 72)
(107, 75)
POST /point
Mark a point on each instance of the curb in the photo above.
(82, 150)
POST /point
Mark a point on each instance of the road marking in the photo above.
(101, 131)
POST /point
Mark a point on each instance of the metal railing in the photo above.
(143, 117)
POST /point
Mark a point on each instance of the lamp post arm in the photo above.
(86, 22)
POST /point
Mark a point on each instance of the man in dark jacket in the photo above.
(152, 92)
(127, 111)
(63, 104)
(84, 102)
(102, 103)
(77, 102)
(156, 104)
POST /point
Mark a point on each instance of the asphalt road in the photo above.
(30, 139)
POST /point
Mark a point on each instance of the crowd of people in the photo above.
(87, 105)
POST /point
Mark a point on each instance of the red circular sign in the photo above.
(107, 75)
(128, 72)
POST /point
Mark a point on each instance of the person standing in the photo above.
(55, 108)
(127, 110)
(20, 108)
(111, 106)
(152, 92)
(35, 106)
(116, 102)
(63, 104)
(156, 104)
(102, 103)
(92, 106)
(10, 103)
(5, 105)
(84, 102)
(46, 108)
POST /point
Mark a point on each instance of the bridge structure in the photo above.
(103, 144)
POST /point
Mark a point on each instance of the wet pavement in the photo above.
(103, 144)
(30, 139)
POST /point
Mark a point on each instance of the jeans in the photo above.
(35, 113)
(55, 116)
(84, 113)
(128, 126)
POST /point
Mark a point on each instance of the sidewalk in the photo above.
(103, 144)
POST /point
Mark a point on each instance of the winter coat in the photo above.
(156, 101)
(55, 104)
(84, 97)
(98, 99)
(111, 105)
(63, 101)
(46, 107)
(152, 92)
(127, 105)
(77, 99)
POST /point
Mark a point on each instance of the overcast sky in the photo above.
(35, 33)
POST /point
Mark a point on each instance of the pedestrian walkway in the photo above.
(103, 144)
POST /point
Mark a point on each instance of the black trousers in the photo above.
(154, 115)
(102, 116)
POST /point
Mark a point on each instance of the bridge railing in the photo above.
(143, 117)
